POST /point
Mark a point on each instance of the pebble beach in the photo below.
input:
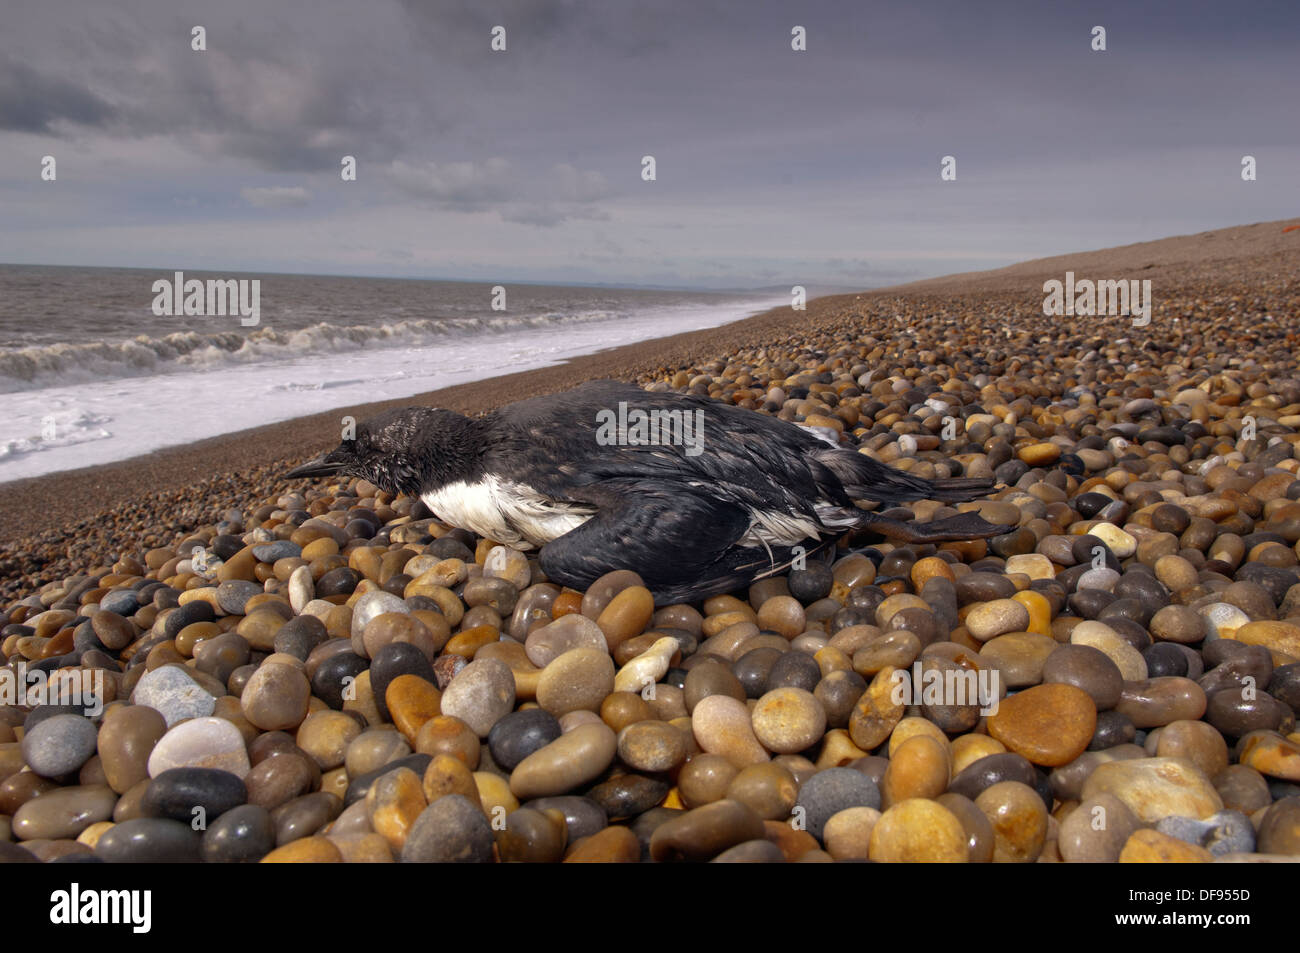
(321, 672)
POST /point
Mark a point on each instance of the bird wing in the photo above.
(672, 535)
(742, 457)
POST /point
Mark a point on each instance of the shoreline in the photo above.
(75, 494)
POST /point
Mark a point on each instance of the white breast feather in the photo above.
(509, 513)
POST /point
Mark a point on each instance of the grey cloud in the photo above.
(34, 101)
(518, 193)
(467, 186)
(276, 196)
(816, 166)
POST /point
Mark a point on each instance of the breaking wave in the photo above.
(34, 368)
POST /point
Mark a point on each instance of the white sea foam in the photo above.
(35, 368)
(143, 396)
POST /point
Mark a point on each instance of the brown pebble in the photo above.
(918, 831)
(1048, 724)
(1019, 820)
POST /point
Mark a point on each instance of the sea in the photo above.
(90, 373)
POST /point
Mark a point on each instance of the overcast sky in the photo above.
(773, 167)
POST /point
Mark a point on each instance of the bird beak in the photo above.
(325, 465)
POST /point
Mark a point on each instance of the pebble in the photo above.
(1181, 624)
(626, 615)
(628, 795)
(411, 701)
(769, 789)
(1153, 702)
(919, 767)
(234, 594)
(990, 770)
(648, 667)
(1154, 788)
(722, 725)
(1279, 828)
(451, 830)
(276, 698)
(1096, 831)
(517, 735)
(304, 816)
(787, 720)
(918, 831)
(192, 795)
(1271, 755)
(989, 619)
(533, 836)
(1280, 637)
(1019, 657)
(573, 631)
(174, 694)
(127, 738)
(848, 833)
(447, 774)
(1222, 620)
(1033, 565)
(63, 812)
(59, 745)
(152, 840)
(1019, 821)
(198, 743)
(578, 680)
(1226, 832)
(568, 762)
(370, 606)
(751, 852)
(1048, 724)
(242, 835)
(704, 832)
(653, 746)
(481, 694)
(394, 802)
(877, 711)
(1122, 544)
(1086, 668)
(833, 790)
(278, 779)
(613, 845)
(582, 816)
(112, 630)
(1106, 640)
(309, 850)
(1234, 714)
(1147, 846)
(1194, 741)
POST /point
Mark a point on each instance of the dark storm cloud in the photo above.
(257, 92)
(33, 101)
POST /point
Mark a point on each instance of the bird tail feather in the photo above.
(865, 479)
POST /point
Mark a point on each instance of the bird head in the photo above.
(396, 451)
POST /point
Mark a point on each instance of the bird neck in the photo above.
(452, 452)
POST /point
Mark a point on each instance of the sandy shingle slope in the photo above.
(1263, 249)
